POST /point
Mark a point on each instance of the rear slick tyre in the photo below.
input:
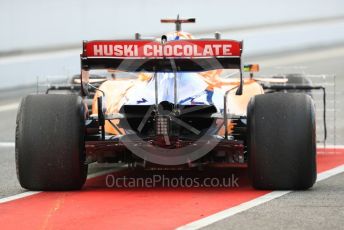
(50, 142)
(281, 141)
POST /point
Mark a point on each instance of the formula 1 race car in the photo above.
(170, 103)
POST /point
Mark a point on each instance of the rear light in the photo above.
(162, 125)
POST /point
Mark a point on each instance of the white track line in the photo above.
(232, 211)
(30, 193)
(252, 203)
(330, 146)
(7, 144)
(331, 172)
(18, 196)
(8, 107)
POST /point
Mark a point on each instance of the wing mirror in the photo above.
(251, 68)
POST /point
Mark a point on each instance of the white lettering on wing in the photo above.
(227, 50)
(156, 50)
(108, 50)
(98, 50)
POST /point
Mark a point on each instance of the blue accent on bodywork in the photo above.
(210, 94)
(143, 100)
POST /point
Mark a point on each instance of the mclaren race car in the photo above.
(170, 102)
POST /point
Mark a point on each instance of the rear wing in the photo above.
(154, 56)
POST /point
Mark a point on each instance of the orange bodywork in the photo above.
(117, 92)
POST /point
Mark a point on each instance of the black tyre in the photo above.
(301, 80)
(298, 80)
(63, 91)
(281, 141)
(87, 100)
(50, 142)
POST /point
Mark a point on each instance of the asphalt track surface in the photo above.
(101, 207)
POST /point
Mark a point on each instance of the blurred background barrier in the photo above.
(37, 24)
(42, 39)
